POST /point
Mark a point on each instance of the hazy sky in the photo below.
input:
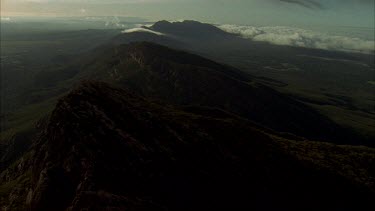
(254, 12)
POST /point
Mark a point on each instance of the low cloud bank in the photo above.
(301, 38)
(6, 19)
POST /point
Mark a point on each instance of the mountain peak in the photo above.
(184, 22)
(187, 27)
(161, 23)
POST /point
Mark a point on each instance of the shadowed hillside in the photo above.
(106, 148)
(182, 78)
(337, 84)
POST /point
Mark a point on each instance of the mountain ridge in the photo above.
(177, 77)
(94, 154)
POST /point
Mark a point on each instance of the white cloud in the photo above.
(301, 38)
(142, 30)
(6, 19)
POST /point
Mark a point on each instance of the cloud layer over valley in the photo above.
(301, 38)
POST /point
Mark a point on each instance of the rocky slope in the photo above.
(104, 148)
(181, 78)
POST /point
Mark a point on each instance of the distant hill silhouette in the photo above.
(189, 28)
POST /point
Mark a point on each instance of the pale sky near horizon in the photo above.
(256, 12)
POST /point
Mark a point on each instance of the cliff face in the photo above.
(106, 148)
